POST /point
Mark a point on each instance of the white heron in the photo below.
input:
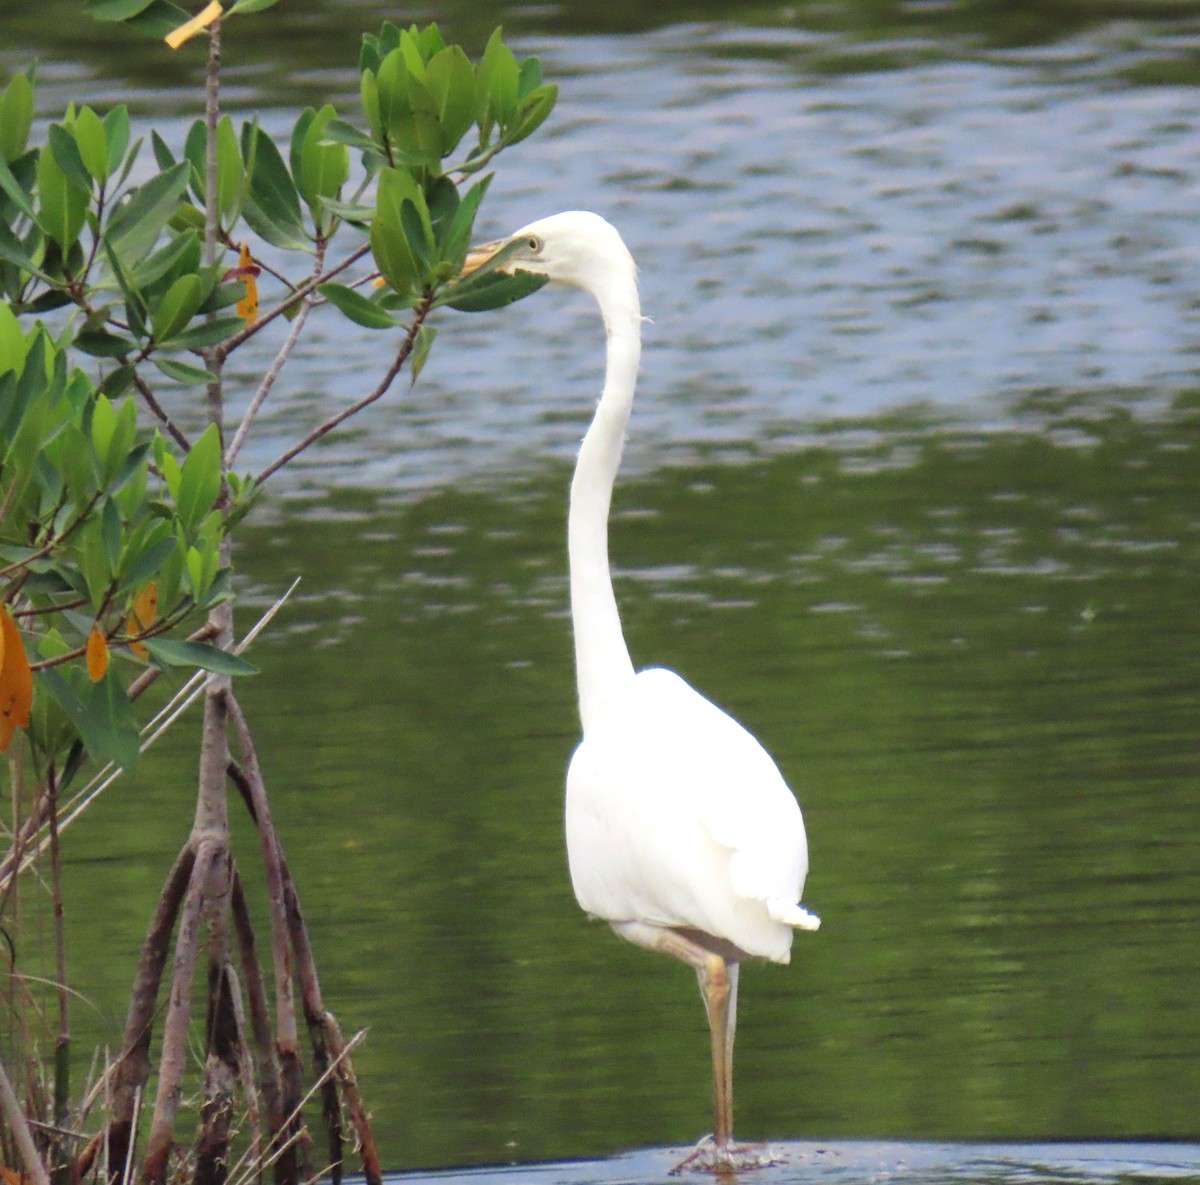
(681, 832)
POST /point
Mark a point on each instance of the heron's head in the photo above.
(576, 248)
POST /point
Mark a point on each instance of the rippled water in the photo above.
(911, 487)
(860, 1162)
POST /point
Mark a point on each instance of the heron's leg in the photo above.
(718, 988)
(719, 994)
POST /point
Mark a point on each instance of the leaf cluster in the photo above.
(113, 307)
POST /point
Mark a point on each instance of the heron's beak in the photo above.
(478, 256)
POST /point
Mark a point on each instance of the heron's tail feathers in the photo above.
(792, 913)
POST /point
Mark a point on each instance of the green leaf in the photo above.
(195, 150)
(61, 204)
(103, 716)
(348, 134)
(349, 211)
(357, 307)
(498, 85)
(530, 77)
(492, 291)
(199, 480)
(118, 381)
(104, 424)
(16, 116)
(12, 251)
(408, 113)
(209, 333)
(12, 341)
(16, 192)
(159, 19)
(534, 110)
(230, 170)
(67, 155)
(177, 307)
(102, 344)
(324, 164)
(248, 6)
(395, 188)
(182, 372)
(421, 347)
(369, 96)
(92, 145)
(110, 532)
(393, 256)
(450, 80)
(116, 136)
(173, 653)
(409, 46)
(144, 566)
(456, 241)
(176, 258)
(162, 154)
(135, 303)
(116, 10)
(135, 226)
(272, 205)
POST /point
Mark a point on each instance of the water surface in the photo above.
(911, 488)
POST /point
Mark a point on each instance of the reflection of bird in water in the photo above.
(681, 832)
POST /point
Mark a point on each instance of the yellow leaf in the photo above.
(12, 1177)
(142, 615)
(16, 681)
(247, 271)
(97, 654)
(189, 29)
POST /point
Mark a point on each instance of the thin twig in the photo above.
(160, 414)
(249, 1171)
(243, 335)
(15, 1117)
(406, 348)
(151, 731)
(127, 1171)
(276, 368)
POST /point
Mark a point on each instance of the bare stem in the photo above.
(173, 1058)
(243, 335)
(268, 1078)
(276, 368)
(160, 414)
(406, 348)
(62, 1045)
(19, 1126)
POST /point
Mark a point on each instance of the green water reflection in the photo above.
(977, 659)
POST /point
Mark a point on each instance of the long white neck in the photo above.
(602, 659)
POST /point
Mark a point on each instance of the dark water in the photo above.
(912, 489)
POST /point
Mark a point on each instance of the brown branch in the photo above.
(243, 335)
(276, 368)
(406, 348)
(13, 1114)
(249, 780)
(173, 1058)
(56, 541)
(222, 1070)
(151, 400)
(327, 1038)
(62, 1044)
(268, 1076)
(133, 1067)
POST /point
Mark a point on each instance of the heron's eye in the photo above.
(534, 244)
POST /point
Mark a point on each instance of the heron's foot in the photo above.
(708, 1157)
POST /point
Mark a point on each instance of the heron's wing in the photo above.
(677, 816)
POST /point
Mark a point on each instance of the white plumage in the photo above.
(681, 832)
(677, 816)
